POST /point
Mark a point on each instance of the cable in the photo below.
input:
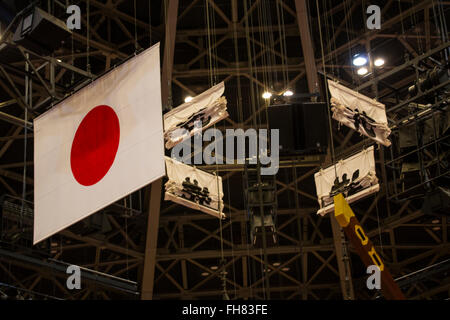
(28, 98)
(135, 29)
(150, 23)
(213, 78)
(333, 158)
(88, 66)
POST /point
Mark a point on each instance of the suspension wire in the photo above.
(231, 231)
(347, 29)
(72, 80)
(282, 47)
(215, 77)
(330, 127)
(28, 99)
(379, 226)
(264, 18)
(401, 16)
(414, 22)
(333, 45)
(88, 66)
(167, 52)
(238, 76)
(135, 29)
(128, 212)
(210, 20)
(441, 25)
(254, 90)
(283, 42)
(252, 103)
(250, 63)
(214, 48)
(297, 207)
(240, 121)
(444, 31)
(327, 31)
(150, 23)
(228, 180)
(265, 58)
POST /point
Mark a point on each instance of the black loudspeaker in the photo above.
(303, 127)
(40, 32)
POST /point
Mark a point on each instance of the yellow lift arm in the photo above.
(364, 247)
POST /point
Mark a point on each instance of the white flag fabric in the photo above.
(194, 188)
(98, 145)
(209, 107)
(356, 178)
(360, 113)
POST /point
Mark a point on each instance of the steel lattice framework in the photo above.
(172, 252)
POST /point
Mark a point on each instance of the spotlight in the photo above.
(214, 267)
(266, 95)
(378, 62)
(205, 274)
(359, 60)
(59, 60)
(276, 264)
(285, 269)
(188, 99)
(288, 93)
(362, 71)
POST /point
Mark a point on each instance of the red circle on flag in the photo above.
(95, 145)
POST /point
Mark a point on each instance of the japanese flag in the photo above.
(98, 145)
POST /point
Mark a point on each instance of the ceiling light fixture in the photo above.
(362, 71)
(359, 60)
(288, 93)
(378, 62)
(188, 99)
(266, 95)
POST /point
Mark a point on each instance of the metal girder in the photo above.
(239, 252)
(169, 51)
(313, 231)
(307, 45)
(90, 275)
(151, 243)
(343, 261)
(407, 64)
(364, 247)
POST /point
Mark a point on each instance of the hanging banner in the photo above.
(194, 188)
(98, 145)
(354, 177)
(208, 107)
(360, 113)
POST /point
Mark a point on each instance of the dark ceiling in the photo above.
(262, 50)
